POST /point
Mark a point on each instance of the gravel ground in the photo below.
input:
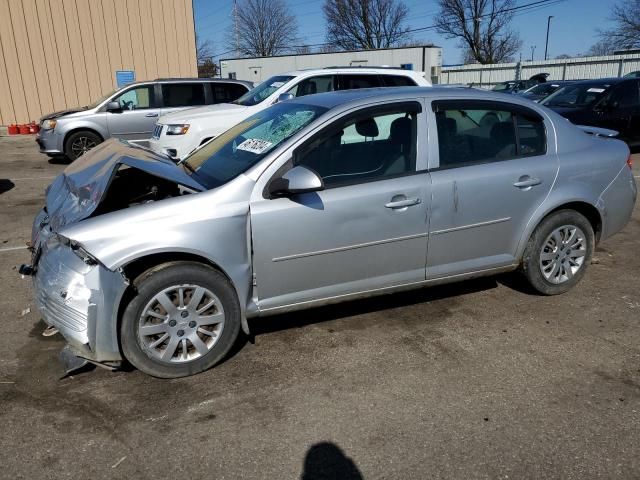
(481, 379)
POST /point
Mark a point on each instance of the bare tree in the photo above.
(600, 48)
(204, 50)
(204, 57)
(482, 26)
(563, 56)
(365, 24)
(264, 28)
(626, 32)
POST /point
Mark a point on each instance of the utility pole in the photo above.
(533, 49)
(235, 27)
(546, 45)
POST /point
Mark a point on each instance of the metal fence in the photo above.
(564, 69)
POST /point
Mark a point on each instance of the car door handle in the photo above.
(407, 202)
(151, 115)
(527, 182)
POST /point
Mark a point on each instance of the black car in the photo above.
(541, 91)
(612, 103)
(515, 86)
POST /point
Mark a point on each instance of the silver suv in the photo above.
(130, 113)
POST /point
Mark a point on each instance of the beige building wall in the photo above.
(57, 54)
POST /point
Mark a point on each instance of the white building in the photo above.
(425, 58)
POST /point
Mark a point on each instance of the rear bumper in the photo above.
(617, 202)
(50, 142)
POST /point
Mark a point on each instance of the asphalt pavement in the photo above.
(482, 379)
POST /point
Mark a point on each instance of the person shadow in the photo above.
(326, 461)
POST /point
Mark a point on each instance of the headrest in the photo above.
(503, 132)
(451, 126)
(400, 131)
(367, 127)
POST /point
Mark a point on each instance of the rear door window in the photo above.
(475, 133)
(350, 82)
(227, 92)
(183, 94)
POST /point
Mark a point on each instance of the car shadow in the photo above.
(6, 185)
(285, 321)
(59, 161)
(325, 461)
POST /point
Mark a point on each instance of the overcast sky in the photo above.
(573, 28)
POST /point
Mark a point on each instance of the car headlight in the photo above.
(57, 239)
(48, 124)
(177, 129)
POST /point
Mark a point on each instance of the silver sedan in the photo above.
(315, 201)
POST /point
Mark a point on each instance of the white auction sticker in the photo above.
(277, 84)
(596, 90)
(254, 145)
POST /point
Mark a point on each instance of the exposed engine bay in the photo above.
(131, 187)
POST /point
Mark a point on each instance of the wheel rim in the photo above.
(181, 323)
(563, 254)
(82, 145)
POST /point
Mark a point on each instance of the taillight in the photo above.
(630, 162)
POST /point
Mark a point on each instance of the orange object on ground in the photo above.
(13, 129)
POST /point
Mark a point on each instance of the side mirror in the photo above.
(297, 180)
(283, 97)
(113, 107)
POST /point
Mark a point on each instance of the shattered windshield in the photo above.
(262, 91)
(241, 147)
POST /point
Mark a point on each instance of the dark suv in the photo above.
(130, 112)
(612, 103)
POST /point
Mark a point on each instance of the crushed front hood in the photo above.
(76, 193)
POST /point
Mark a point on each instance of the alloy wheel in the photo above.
(181, 323)
(563, 254)
(82, 145)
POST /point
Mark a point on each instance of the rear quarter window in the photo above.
(397, 81)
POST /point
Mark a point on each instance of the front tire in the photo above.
(184, 319)
(80, 143)
(558, 252)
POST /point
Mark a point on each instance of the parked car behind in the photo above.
(129, 113)
(516, 86)
(612, 103)
(312, 201)
(541, 91)
(180, 133)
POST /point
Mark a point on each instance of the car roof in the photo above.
(600, 81)
(333, 99)
(352, 69)
(192, 79)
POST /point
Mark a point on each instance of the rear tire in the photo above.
(559, 252)
(184, 319)
(79, 143)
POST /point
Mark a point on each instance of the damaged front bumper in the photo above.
(79, 298)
